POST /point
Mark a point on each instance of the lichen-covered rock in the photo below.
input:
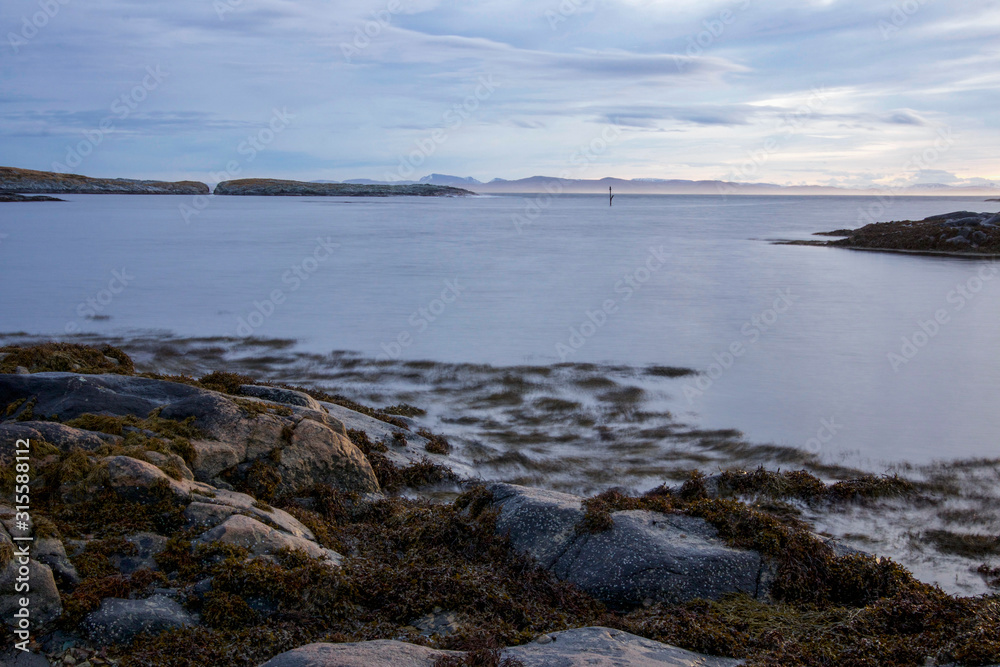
(118, 620)
(644, 557)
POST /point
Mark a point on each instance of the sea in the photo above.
(559, 340)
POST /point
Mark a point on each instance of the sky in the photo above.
(852, 93)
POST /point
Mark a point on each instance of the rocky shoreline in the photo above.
(270, 187)
(183, 521)
(14, 180)
(960, 233)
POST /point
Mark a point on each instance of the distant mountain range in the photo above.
(659, 186)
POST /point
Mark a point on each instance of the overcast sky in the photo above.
(844, 92)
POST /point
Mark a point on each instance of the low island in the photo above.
(962, 233)
(272, 187)
(24, 181)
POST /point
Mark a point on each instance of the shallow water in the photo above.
(656, 280)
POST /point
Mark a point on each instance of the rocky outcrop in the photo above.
(277, 188)
(958, 232)
(645, 557)
(582, 647)
(300, 446)
(14, 180)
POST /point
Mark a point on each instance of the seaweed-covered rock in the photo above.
(233, 431)
(644, 557)
(118, 620)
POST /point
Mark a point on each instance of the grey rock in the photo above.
(262, 540)
(964, 222)
(171, 462)
(441, 623)
(21, 370)
(63, 437)
(119, 620)
(50, 551)
(46, 605)
(360, 654)
(207, 515)
(992, 221)
(279, 395)
(140, 480)
(583, 647)
(16, 658)
(317, 454)
(958, 240)
(955, 215)
(147, 546)
(604, 647)
(644, 557)
(979, 237)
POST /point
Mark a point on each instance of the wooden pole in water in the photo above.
(611, 197)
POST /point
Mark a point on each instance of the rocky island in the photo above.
(958, 233)
(14, 180)
(279, 188)
(180, 521)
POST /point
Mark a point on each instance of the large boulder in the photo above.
(583, 647)
(317, 454)
(645, 557)
(63, 437)
(118, 621)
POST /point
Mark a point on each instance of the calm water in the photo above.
(672, 281)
